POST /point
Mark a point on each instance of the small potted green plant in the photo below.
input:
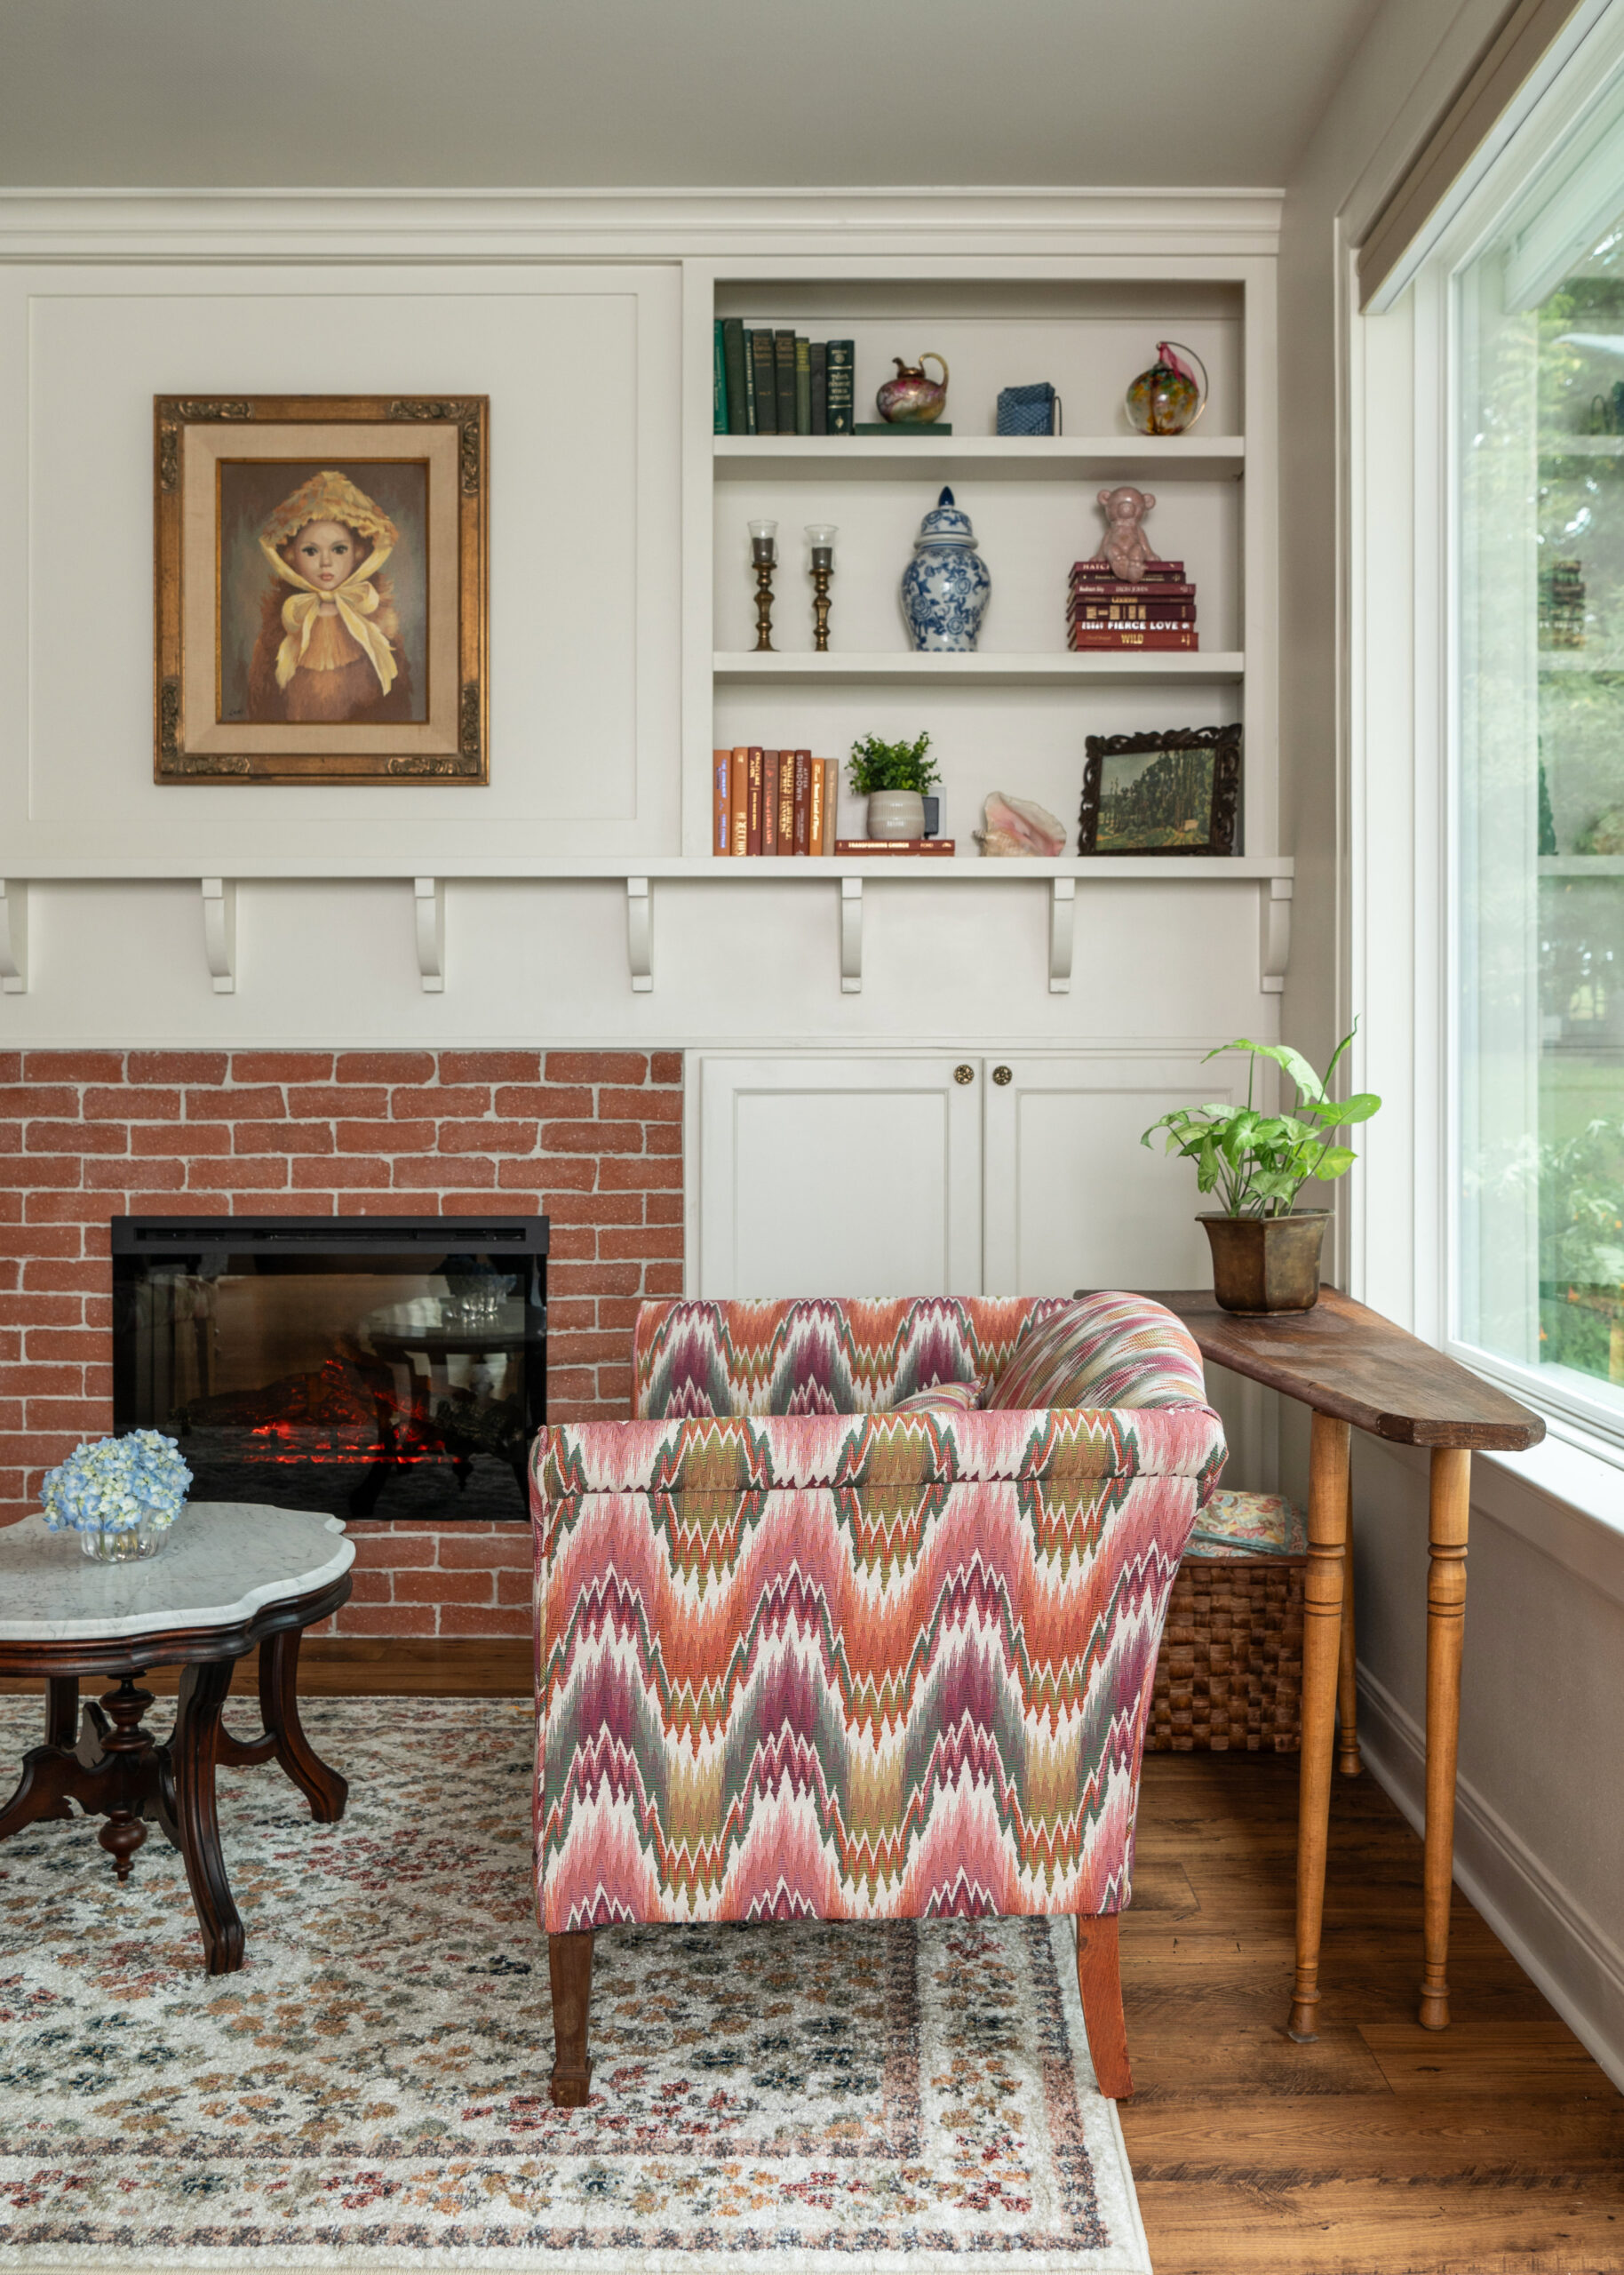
(894, 778)
(1266, 1252)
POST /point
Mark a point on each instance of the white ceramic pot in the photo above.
(895, 813)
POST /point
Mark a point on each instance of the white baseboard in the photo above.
(1572, 1958)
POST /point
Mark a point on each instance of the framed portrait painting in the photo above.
(1172, 792)
(322, 607)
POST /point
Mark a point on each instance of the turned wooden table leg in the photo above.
(125, 1765)
(1099, 1983)
(322, 1787)
(1450, 1505)
(1322, 1633)
(195, 1827)
(570, 1966)
(1348, 1670)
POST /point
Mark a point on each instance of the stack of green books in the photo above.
(769, 380)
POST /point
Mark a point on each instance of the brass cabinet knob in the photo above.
(965, 1074)
(1001, 1074)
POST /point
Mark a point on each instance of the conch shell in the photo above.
(1020, 826)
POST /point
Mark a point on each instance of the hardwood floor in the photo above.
(1494, 2148)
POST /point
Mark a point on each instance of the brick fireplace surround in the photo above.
(595, 1138)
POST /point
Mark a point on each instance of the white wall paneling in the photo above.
(582, 364)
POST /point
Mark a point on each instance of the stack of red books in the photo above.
(1156, 609)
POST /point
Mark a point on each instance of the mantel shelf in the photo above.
(708, 868)
(999, 458)
(1011, 669)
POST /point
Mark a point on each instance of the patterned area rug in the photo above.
(370, 2090)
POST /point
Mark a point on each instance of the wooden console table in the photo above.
(1356, 1371)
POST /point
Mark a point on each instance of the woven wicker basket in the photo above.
(1229, 1673)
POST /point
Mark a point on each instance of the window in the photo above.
(1539, 804)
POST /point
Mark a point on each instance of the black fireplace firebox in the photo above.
(391, 1366)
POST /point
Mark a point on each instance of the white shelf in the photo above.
(820, 458)
(1009, 670)
(1128, 868)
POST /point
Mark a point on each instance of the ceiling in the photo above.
(665, 93)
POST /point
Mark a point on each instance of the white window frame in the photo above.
(1398, 501)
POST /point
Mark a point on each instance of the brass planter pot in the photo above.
(1267, 1263)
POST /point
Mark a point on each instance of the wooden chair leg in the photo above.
(1346, 1670)
(1099, 1981)
(569, 1965)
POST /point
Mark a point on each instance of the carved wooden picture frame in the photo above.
(320, 588)
(1193, 810)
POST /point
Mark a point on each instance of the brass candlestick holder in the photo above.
(764, 553)
(821, 536)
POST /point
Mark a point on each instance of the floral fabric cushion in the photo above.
(1103, 1350)
(1249, 1524)
(961, 1398)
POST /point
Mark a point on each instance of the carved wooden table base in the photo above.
(110, 1765)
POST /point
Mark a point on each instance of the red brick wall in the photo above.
(593, 1137)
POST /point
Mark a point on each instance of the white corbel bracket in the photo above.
(219, 916)
(429, 902)
(851, 936)
(639, 935)
(1062, 933)
(1274, 933)
(14, 937)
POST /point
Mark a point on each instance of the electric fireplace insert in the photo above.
(391, 1366)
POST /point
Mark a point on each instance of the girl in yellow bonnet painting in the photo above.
(330, 645)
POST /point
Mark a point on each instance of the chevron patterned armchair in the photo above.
(858, 1620)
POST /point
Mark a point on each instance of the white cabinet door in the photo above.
(837, 1176)
(1073, 1200)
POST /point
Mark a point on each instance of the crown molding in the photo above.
(338, 225)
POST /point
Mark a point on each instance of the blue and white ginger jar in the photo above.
(946, 585)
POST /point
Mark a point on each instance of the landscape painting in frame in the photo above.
(1172, 792)
(321, 607)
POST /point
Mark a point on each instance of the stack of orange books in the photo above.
(772, 802)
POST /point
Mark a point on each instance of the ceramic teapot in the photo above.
(910, 399)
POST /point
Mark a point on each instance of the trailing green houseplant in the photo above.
(894, 778)
(1265, 1251)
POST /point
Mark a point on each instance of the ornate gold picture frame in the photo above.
(321, 611)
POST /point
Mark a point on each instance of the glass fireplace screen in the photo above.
(374, 1366)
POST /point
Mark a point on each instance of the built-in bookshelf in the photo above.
(1014, 715)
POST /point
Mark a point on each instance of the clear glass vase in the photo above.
(144, 1538)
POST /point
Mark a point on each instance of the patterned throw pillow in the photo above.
(1103, 1350)
(1249, 1524)
(962, 1398)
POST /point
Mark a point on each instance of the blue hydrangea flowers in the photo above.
(117, 1485)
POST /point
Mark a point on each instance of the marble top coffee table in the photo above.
(230, 1576)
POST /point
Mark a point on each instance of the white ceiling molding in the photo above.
(310, 225)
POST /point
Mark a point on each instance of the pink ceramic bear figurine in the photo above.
(1125, 544)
